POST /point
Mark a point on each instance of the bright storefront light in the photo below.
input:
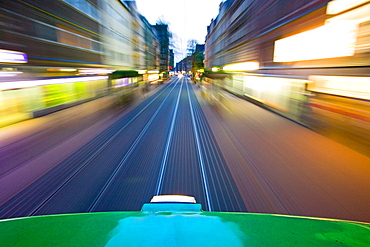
(337, 6)
(35, 83)
(349, 86)
(336, 39)
(7, 56)
(245, 66)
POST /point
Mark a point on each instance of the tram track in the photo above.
(216, 193)
(240, 156)
(120, 165)
(168, 143)
(200, 155)
(36, 190)
(223, 192)
(163, 146)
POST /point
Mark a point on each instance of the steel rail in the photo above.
(91, 157)
(219, 176)
(128, 153)
(200, 155)
(168, 143)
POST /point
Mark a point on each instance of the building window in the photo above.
(73, 37)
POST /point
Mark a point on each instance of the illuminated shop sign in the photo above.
(36, 83)
(12, 57)
(336, 39)
(141, 71)
(95, 71)
(337, 6)
(357, 15)
(122, 82)
(348, 86)
(245, 66)
(153, 77)
(153, 71)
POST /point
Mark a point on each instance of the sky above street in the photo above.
(187, 19)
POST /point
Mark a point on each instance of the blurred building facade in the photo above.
(193, 64)
(119, 34)
(307, 60)
(62, 52)
(137, 39)
(164, 41)
(255, 31)
(198, 61)
(151, 46)
(78, 34)
(185, 65)
(44, 31)
(172, 60)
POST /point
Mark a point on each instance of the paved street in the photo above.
(237, 157)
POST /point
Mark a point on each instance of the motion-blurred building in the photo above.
(193, 64)
(137, 41)
(164, 41)
(76, 34)
(57, 53)
(52, 34)
(171, 66)
(185, 65)
(198, 64)
(120, 36)
(151, 46)
(307, 60)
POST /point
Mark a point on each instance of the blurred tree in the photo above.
(162, 21)
(192, 43)
(195, 52)
(198, 60)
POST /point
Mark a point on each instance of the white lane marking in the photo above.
(204, 175)
(169, 139)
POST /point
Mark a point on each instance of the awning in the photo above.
(123, 73)
(216, 75)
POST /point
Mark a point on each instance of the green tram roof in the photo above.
(180, 224)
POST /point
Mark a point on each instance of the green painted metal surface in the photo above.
(180, 225)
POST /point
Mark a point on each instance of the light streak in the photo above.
(35, 83)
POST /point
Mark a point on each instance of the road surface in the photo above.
(234, 157)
